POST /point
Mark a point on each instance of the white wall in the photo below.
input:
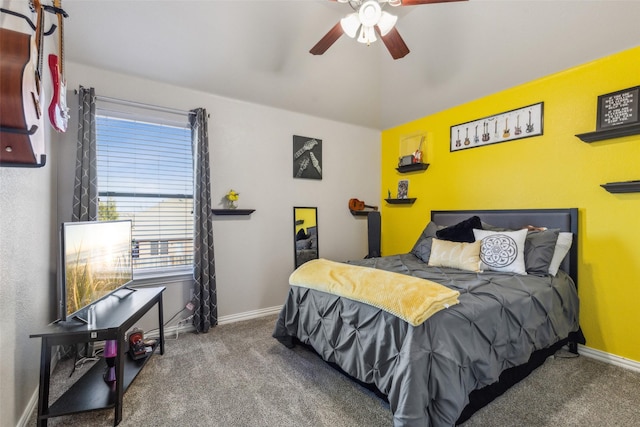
(251, 152)
(27, 258)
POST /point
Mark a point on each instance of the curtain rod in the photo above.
(140, 104)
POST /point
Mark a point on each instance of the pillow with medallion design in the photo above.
(502, 250)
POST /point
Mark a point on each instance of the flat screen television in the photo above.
(95, 262)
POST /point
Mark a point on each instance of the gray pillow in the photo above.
(538, 251)
(422, 248)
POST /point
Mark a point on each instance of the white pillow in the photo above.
(460, 255)
(563, 244)
(502, 250)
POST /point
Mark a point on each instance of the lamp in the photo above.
(350, 24)
(368, 15)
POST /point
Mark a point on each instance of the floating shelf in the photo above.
(360, 213)
(233, 211)
(413, 167)
(401, 201)
(616, 132)
(622, 187)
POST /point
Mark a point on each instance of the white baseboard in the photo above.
(249, 315)
(31, 406)
(609, 358)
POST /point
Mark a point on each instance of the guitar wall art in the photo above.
(520, 123)
(22, 103)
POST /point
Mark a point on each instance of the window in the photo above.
(145, 173)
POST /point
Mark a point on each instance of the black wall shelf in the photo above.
(413, 167)
(616, 132)
(401, 201)
(360, 213)
(233, 211)
(622, 187)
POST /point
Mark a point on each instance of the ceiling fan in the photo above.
(370, 19)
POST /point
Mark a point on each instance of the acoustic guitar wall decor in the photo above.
(21, 120)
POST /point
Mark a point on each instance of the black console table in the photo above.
(115, 315)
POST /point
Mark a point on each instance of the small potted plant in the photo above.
(231, 199)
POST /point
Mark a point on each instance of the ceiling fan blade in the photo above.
(328, 39)
(417, 2)
(394, 43)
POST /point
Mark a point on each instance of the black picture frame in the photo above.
(502, 127)
(307, 157)
(618, 108)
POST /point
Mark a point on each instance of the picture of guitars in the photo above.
(476, 139)
(518, 129)
(21, 121)
(58, 111)
(506, 133)
(466, 138)
(530, 125)
(485, 134)
(306, 147)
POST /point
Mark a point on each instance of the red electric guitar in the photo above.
(58, 111)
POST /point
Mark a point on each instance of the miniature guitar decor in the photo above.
(357, 205)
(417, 155)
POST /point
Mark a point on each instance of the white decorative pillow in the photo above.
(502, 250)
(460, 255)
(563, 244)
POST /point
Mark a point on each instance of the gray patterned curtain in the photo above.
(204, 272)
(85, 189)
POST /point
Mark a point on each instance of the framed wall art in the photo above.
(520, 123)
(618, 108)
(307, 157)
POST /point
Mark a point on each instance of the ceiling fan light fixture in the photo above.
(393, 3)
(370, 13)
(350, 24)
(386, 23)
(367, 35)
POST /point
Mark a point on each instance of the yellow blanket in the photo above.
(410, 298)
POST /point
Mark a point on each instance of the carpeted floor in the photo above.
(238, 375)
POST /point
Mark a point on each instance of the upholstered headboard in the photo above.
(564, 219)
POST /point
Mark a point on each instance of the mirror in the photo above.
(305, 234)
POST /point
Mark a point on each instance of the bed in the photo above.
(439, 372)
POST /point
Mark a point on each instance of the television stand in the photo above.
(114, 317)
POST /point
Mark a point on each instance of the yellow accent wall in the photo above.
(555, 170)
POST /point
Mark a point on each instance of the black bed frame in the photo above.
(565, 220)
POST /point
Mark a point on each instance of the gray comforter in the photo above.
(428, 371)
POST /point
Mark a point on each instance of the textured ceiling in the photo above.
(257, 50)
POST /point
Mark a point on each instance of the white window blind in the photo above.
(145, 173)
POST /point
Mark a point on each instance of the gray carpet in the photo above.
(238, 375)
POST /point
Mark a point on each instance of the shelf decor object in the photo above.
(617, 116)
(233, 211)
(408, 201)
(622, 187)
(520, 123)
